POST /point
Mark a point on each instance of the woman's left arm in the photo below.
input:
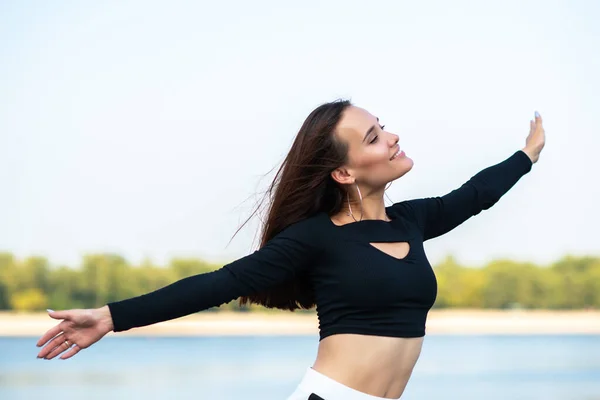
(439, 215)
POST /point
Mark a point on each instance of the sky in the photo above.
(148, 129)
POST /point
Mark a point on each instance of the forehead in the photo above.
(355, 122)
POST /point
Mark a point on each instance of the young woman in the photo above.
(330, 241)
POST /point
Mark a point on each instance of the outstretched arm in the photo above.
(284, 257)
(439, 215)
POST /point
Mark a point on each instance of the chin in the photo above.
(406, 165)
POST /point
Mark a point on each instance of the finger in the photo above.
(58, 350)
(538, 117)
(53, 344)
(74, 350)
(59, 314)
(49, 335)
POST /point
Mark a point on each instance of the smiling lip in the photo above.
(397, 154)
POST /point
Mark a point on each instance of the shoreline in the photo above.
(454, 321)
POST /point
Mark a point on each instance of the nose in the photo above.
(394, 139)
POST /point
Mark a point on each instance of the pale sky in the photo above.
(142, 127)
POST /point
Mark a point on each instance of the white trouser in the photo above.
(314, 382)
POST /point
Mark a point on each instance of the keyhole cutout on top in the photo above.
(397, 250)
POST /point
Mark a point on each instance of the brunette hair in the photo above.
(302, 187)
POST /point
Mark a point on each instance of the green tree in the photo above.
(576, 287)
(32, 299)
(66, 289)
(105, 279)
(33, 272)
(184, 267)
(505, 286)
(7, 279)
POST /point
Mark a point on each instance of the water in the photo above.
(261, 367)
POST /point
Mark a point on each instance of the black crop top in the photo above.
(358, 288)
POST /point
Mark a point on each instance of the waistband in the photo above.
(330, 389)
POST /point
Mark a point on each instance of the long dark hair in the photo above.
(301, 188)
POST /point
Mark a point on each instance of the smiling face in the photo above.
(373, 157)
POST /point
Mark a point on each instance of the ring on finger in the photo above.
(67, 343)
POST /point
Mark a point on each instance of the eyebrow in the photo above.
(369, 131)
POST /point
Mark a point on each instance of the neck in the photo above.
(373, 206)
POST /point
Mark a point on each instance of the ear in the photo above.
(343, 176)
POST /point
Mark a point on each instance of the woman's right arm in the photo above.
(285, 256)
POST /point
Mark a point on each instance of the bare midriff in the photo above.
(375, 365)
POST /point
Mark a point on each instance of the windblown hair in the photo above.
(302, 187)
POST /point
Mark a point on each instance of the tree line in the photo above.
(33, 284)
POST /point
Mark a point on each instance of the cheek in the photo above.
(375, 158)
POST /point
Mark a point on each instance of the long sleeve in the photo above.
(439, 215)
(283, 257)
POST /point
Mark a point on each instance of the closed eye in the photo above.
(382, 127)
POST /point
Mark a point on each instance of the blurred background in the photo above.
(137, 136)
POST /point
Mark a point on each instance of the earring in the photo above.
(350, 207)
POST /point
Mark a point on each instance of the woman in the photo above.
(329, 241)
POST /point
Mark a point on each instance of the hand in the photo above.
(78, 330)
(536, 139)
